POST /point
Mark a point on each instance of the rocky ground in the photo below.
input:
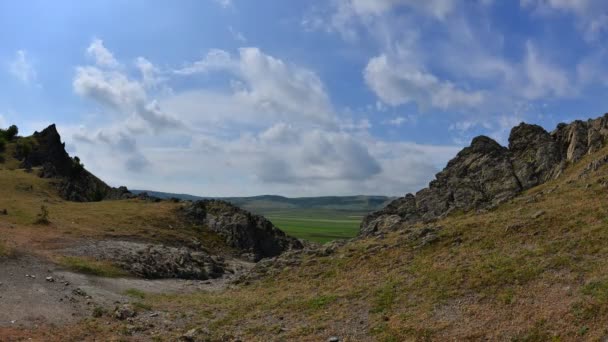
(35, 291)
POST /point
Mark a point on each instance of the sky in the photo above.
(296, 98)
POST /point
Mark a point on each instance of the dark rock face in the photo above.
(486, 174)
(75, 183)
(239, 228)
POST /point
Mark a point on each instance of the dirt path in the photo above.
(28, 299)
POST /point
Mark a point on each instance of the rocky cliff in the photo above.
(239, 228)
(45, 149)
(486, 174)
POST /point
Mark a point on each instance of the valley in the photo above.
(522, 265)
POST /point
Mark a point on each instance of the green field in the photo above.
(317, 225)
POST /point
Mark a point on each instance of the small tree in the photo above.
(12, 132)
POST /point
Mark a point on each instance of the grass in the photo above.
(5, 251)
(317, 225)
(135, 293)
(92, 267)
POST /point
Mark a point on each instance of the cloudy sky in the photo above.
(298, 98)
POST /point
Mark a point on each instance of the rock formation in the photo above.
(486, 174)
(75, 183)
(240, 228)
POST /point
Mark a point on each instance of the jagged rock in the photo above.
(75, 182)
(486, 174)
(535, 155)
(240, 228)
(594, 166)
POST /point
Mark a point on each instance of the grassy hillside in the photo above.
(532, 270)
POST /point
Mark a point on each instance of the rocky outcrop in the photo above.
(45, 149)
(239, 228)
(486, 174)
(155, 261)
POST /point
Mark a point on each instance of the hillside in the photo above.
(520, 263)
(271, 203)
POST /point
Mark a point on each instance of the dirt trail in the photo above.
(28, 299)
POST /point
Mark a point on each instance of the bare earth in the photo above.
(28, 299)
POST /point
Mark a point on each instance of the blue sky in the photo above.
(298, 98)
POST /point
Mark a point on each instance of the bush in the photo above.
(12, 132)
(24, 147)
(77, 166)
(43, 216)
(2, 144)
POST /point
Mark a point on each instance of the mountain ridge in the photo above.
(346, 203)
(486, 174)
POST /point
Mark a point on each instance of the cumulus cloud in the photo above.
(102, 56)
(396, 83)
(21, 68)
(114, 90)
(267, 84)
(273, 130)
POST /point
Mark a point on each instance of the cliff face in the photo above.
(75, 182)
(486, 174)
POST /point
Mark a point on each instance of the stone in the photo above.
(538, 214)
(194, 335)
(124, 311)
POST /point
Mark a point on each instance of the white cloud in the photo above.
(269, 85)
(21, 68)
(396, 83)
(238, 36)
(102, 56)
(543, 78)
(274, 131)
(114, 90)
(397, 121)
(149, 72)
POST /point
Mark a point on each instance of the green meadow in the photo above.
(317, 225)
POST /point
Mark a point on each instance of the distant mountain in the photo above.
(267, 203)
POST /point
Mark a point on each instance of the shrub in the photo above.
(12, 132)
(24, 147)
(43, 216)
